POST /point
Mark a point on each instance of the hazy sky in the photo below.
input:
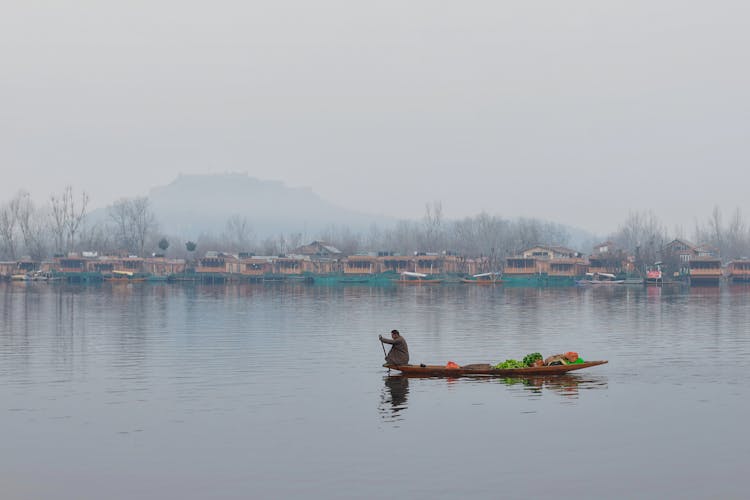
(571, 111)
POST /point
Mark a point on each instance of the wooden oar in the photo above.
(384, 354)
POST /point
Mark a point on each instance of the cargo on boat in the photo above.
(488, 370)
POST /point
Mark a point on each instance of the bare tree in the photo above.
(24, 215)
(8, 230)
(32, 225)
(715, 227)
(238, 234)
(643, 235)
(402, 238)
(76, 214)
(58, 221)
(343, 238)
(133, 222)
(294, 240)
(270, 246)
(143, 221)
(433, 237)
(374, 238)
(732, 240)
(118, 214)
(95, 237)
(737, 238)
(67, 217)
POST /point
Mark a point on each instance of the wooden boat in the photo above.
(443, 371)
(600, 279)
(124, 277)
(411, 278)
(484, 279)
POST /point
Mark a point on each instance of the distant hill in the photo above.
(194, 204)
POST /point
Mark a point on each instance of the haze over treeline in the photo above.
(64, 223)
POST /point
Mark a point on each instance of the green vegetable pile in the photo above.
(529, 359)
(509, 363)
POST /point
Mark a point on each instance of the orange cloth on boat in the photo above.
(571, 356)
(451, 364)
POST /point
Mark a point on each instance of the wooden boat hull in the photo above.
(442, 371)
(419, 282)
(481, 282)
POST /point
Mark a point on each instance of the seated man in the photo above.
(399, 353)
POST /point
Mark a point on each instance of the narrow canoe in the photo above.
(442, 371)
(481, 282)
(435, 281)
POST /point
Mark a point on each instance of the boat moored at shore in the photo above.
(494, 278)
(412, 278)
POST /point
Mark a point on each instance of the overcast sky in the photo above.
(576, 112)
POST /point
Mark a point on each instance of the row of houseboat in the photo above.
(323, 264)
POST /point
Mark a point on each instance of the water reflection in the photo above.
(568, 386)
(133, 370)
(394, 397)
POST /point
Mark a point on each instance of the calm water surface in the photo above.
(252, 391)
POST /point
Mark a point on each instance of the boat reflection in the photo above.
(564, 385)
(394, 397)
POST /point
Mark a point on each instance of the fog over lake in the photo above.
(151, 150)
(576, 113)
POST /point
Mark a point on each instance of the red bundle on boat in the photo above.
(451, 364)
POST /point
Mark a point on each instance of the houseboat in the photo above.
(290, 268)
(705, 271)
(396, 264)
(26, 267)
(522, 271)
(363, 269)
(129, 268)
(255, 268)
(738, 271)
(212, 267)
(77, 269)
(565, 271)
(160, 268)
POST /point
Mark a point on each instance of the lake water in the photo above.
(252, 391)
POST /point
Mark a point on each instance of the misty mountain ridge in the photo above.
(195, 204)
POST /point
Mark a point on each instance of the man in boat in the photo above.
(399, 353)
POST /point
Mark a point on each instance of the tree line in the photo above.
(61, 224)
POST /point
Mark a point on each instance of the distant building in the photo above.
(216, 263)
(681, 249)
(678, 254)
(607, 258)
(550, 252)
(604, 248)
(319, 249)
